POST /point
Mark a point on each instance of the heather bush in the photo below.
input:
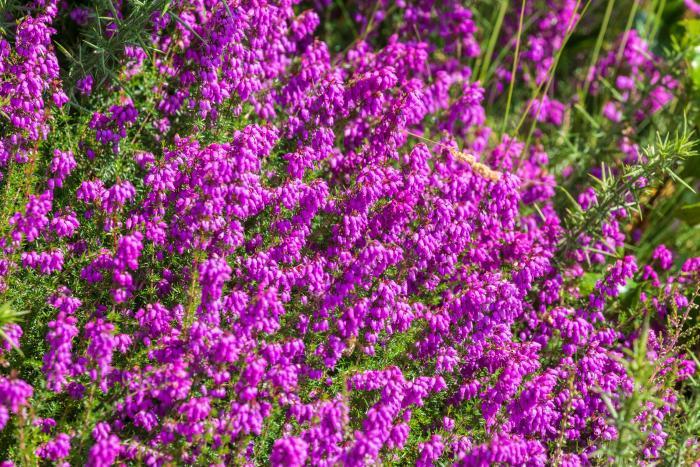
(242, 232)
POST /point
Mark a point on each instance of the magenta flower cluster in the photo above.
(242, 292)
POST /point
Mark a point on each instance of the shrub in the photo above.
(242, 232)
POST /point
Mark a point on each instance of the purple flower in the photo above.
(84, 85)
(56, 449)
(62, 165)
(693, 6)
(12, 334)
(290, 451)
(104, 452)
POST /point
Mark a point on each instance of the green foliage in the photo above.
(624, 190)
(586, 140)
(682, 447)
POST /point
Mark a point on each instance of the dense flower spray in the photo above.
(282, 251)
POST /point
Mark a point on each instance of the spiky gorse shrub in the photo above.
(237, 241)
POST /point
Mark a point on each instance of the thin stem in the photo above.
(514, 68)
(657, 21)
(551, 69)
(550, 79)
(527, 24)
(492, 40)
(628, 28)
(597, 49)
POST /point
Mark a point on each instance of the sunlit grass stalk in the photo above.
(628, 28)
(504, 51)
(514, 68)
(657, 21)
(495, 32)
(548, 82)
(597, 49)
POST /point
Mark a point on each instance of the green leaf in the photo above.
(588, 282)
(692, 33)
(690, 213)
(692, 167)
(692, 27)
